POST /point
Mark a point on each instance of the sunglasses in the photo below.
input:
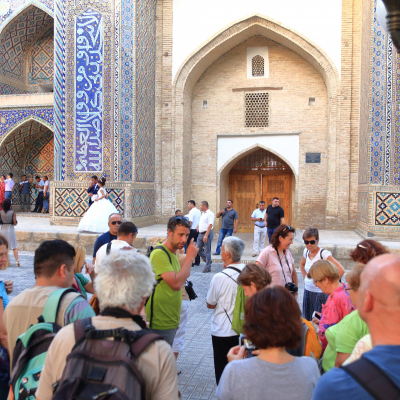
(116, 222)
(310, 241)
(288, 227)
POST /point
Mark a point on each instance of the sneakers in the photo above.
(205, 270)
(216, 254)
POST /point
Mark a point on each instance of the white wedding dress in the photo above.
(96, 217)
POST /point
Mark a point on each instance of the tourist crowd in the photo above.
(342, 342)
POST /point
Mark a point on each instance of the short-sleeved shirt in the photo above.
(3, 294)
(257, 213)
(308, 282)
(343, 337)
(338, 384)
(194, 217)
(79, 284)
(167, 301)
(228, 218)
(253, 378)
(40, 183)
(362, 346)
(25, 187)
(102, 239)
(274, 216)
(24, 310)
(46, 186)
(102, 252)
(157, 363)
(222, 294)
(206, 219)
(9, 185)
(269, 259)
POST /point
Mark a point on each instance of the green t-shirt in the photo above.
(343, 337)
(167, 302)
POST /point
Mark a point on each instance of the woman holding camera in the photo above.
(278, 261)
(325, 276)
(273, 323)
(313, 298)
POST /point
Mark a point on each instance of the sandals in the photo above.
(17, 264)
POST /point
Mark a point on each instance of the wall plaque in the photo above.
(312, 158)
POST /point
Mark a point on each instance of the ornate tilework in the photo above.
(378, 91)
(40, 156)
(389, 74)
(387, 209)
(17, 37)
(7, 89)
(143, 202)
(396, 132)
(73, 202)
(127, 88)
(117, 15)
(362, 211)
(12, 118)
(41, 60)
(145, 90)
(89, 92)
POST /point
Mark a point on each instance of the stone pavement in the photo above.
(197, 380)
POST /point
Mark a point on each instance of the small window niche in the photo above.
(205, 104)
(257, 63)
(311, 101)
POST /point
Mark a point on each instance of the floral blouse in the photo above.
(337, 306)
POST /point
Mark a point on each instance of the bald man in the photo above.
(379, 307)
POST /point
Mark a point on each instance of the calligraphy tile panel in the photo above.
(89, 92)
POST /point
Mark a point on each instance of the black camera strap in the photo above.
(287, 262)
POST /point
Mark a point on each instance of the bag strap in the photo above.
(108, 249)
(165, 251)
(372, 379)
(229, 277)
(320, 253)
(235, 269)
(53, 303)
(81, 326)
(143, 341)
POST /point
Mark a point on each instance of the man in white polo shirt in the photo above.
(260, 228)
(206, 234)
(9, 185)
(194, 219)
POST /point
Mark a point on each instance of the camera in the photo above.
(190, 291)
(248, 345)
(291, 287)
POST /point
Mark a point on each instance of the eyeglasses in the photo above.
(116, 222)
(348, 289)
(287, 227)
(310, 241)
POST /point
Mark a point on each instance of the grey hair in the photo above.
(124, 278)
(111, 215)
(234, 246)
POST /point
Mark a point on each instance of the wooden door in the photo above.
(278, 185)
(245, 191)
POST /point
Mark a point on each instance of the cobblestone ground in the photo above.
(197, 380)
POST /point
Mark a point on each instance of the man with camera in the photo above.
(221, 298)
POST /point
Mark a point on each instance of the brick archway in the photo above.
(229, 37)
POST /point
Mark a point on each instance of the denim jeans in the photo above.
(221, 237)
(8, 195)
(46, 203)
(270, 232)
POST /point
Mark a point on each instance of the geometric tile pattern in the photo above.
(89, 92)
(145, 90)
(73, 202)
(387, 209)
(16, 196)
(143, 202)
(127, 88)
(16, 38)
(117, 118)
(388, 133)
(7, 89)
(362, 212)
(396, 131)
(41, 59)
(40, 156)
(377, 106)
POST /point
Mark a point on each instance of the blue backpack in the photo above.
(31, 349)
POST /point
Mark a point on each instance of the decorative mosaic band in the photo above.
(88, 92)
(388, 135)
(387, 211)
(74, 202)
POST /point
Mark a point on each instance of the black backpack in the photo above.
(98, 368)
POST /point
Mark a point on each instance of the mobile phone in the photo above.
(317, 315)
(248, 345)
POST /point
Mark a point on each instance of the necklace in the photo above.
(314, 253)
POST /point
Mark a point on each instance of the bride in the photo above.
(96, 217)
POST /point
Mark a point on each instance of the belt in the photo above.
(260, 226)
(8, 191)
(202, 233)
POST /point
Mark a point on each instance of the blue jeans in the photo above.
(46, 203)
(8, 195)
(221, 237)
(270, 232)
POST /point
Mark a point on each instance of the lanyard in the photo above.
(280, 262)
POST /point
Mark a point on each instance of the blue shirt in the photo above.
(3, 294)
(103, 239)
(338, 384)
(25, 187)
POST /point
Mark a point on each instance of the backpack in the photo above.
(31, 349)
(310, 345)
(98, 368)
(238, 311)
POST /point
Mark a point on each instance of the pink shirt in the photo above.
(334, 310)
(269, 259)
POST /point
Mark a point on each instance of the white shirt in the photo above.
(40, 183)
(46, 186)
(102, 251)
(308, 283)
(257, 213)
(194, 217)
(222, 293)
(207, 218)
(9, 185)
